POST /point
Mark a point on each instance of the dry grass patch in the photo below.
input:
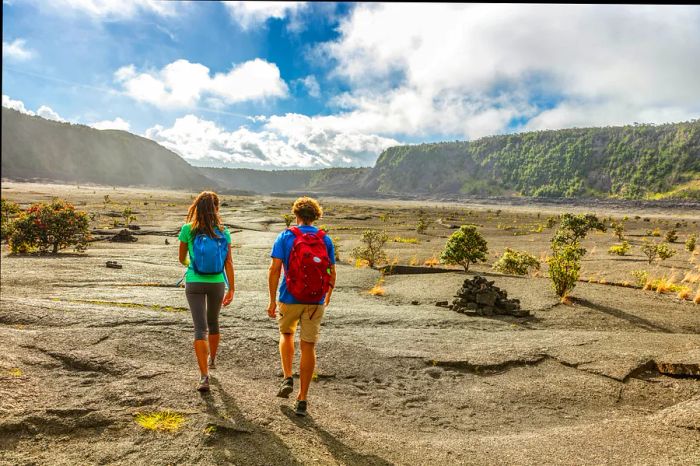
(166, 421)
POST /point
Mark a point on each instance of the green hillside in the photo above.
(639, 161)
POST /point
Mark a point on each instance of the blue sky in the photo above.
(294, 84)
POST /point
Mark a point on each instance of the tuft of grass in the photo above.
(684, 293)
(431, 261)
(400, 239)
(166, 421)
(361, 264)
(691, 277)
(15, 372)
(378, 289)
(413, 261)
(696, 299)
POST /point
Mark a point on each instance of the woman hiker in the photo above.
(209, 267)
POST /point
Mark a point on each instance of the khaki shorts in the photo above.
(310, 316)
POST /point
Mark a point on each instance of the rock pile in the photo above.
(124, 236)
(479, 296)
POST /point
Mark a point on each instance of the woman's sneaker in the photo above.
(286, 387)
(300, 408)
(203, 384)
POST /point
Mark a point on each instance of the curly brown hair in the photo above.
(307, 209)
(204, 214)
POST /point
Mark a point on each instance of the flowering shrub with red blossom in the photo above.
(45, 228)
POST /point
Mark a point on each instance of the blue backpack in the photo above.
(209, 253)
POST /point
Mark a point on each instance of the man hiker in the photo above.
(308, 258)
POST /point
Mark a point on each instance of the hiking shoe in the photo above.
(286, 387)
(203, 384)
(211, 363)
(300, 408)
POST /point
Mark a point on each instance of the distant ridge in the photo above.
(34, 148)
(630, 162)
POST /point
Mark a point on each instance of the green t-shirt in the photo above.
(191, 276)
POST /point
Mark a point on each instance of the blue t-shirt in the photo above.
(283, 248)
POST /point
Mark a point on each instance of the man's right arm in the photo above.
(273, 280)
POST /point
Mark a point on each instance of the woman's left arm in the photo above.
(228, 269)
(182, 254)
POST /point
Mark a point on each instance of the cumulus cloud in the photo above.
(113, 9)
(48, 113)
(255, 14)
(117, 123)
(15, 105)
(16, 50)
(182, 83)
(474, 69)
(290, 141)
(310, 85)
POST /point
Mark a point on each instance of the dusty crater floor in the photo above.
(610, 379)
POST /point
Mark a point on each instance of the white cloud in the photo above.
(113, 9)
(48, 113)
(310, 84)
(291, 141)
(472, 69)
(16, 50)
(255, 14)
(117, 123)
(183, 84)
(15, 105)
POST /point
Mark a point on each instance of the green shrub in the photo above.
(618, 230)
(464, 247)
(619, 249)
(128, 216)
(516, 262)
(50, 227)
(564, 268)
(671, 236)
(665, 251)
(423, 222)
(9, 210)
(690, 243)
(640, 277)
(372, 249)
(288, 219)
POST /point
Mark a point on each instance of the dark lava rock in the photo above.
(479, 296)
(124, 236)
(113, 265)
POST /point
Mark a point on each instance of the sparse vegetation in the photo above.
(690, 243)
(49, 228)
(516, 262)
(400, 239)
(288, 219)
(618, 230)
(564, 268)
(9, 210)
(671, 236)
(464, 247)
(167, 421)
(128, 216)
(372, 250)
(423, 222)
(619, 249)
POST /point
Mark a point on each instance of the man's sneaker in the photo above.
(211, 363)
(300, 408)
(203, 384)
(286, 388)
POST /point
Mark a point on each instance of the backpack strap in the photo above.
(320, 233)
(297, 232)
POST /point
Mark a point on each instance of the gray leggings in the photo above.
(205, 303)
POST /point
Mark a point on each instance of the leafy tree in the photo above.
(50, 227)
(516, 262)
(690, 243)
(464, 247)
(618, 229)
(9, 211)
(574, 228)
(653, 250)
(372, 249)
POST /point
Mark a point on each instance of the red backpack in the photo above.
(308, 274)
